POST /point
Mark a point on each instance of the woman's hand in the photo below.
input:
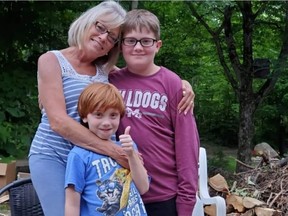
(121, 157)
(187, 102)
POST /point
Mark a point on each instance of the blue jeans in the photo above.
(48, 176)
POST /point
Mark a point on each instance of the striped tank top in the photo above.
(48, 142)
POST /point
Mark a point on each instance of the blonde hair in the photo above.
(138, 19)
(100, 96)
(111, 14)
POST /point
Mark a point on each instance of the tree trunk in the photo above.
(246, 95)
(246, 131)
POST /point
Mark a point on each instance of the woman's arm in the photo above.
(187, 102)
(52, 98)
(138, 171)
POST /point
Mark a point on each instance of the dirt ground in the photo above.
(212, 149)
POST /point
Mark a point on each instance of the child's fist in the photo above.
(126, 141)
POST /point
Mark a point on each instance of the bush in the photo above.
(19, 112)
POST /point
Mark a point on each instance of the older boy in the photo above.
(168, 140)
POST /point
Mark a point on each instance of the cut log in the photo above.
(259, 211)
(210, 210)
(249, 202)
(250, 212)
(219, 183)
(236, 201)
(265, 148)
(4, 198)
(233, 214)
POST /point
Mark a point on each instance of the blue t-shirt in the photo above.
(106, 188)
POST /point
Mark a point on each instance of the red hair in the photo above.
(100, 96)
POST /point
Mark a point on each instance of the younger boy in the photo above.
(95, 184)
(151, 94)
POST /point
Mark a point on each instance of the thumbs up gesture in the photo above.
(127, 142)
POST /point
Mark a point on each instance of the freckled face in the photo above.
(103, 124)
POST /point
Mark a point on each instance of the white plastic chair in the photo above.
(203, 197)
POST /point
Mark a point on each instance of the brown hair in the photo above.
(138, 19)
(100, 96)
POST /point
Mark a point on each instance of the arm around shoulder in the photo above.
(51, 94)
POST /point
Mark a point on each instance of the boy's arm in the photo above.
(72, 202)
(138, 173)
(186, 151)
(137, 169)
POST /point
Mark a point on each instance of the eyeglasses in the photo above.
(101, 29)
(145, 42)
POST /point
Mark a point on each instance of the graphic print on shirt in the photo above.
(117, 192)
(109, 192)
(152, 101)
(114, 192)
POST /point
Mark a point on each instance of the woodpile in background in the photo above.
(260, 191)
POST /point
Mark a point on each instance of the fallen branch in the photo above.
(283, 162)
(246, 165)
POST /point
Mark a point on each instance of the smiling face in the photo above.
(99, 40)
(140, 57)
(103, 124)
(100, 106)
(84, 36)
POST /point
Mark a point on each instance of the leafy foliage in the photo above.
(19, 112)
(188, 49)
(35, 30)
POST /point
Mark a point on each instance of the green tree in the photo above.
(232, 31)
(28, 29)
(209, 53)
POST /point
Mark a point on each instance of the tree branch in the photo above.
(280, 66)
(216, 39)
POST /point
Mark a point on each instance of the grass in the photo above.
(6, 159)
(220, 160)
(220, 156)
(4, 209)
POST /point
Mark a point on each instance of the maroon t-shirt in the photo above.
(168, 141)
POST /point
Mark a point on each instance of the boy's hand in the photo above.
(127, 142)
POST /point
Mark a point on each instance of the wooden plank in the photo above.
(4, 198)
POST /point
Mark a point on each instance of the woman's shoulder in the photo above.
(47, 57)
(114, 69)
(117, 71)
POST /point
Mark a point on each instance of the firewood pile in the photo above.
(262, 190)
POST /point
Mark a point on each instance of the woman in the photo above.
(62, 75)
